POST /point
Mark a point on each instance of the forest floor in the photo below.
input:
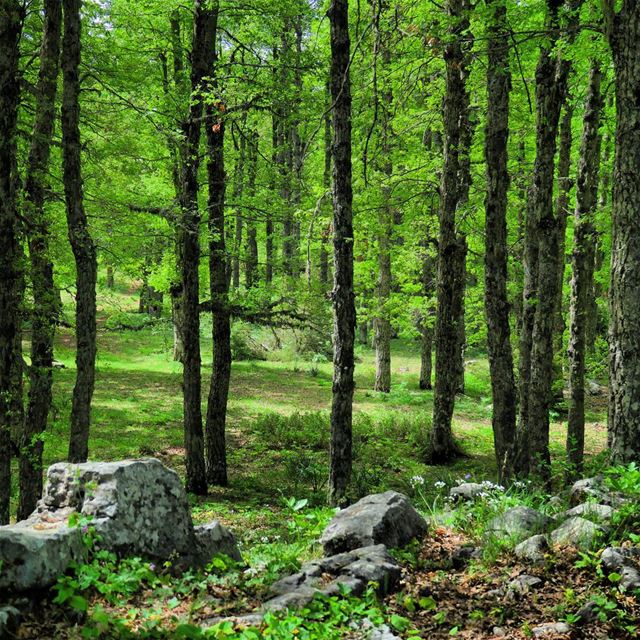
(278, 431)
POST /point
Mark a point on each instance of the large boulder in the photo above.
(593, 489)
(591, 511)
(518, 522)
(137, 507)
(383, 518)
(467, 491)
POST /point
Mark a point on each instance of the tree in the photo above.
(202, 57)
(219, 286)
(82, 244)
(11, 17)
(452, 245)
(541, 260)
(44, 294)
(342, 296)
(623, 28)
(384, 104)
(582, 264)
(503, 385)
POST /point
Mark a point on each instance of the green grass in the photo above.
(137, 411)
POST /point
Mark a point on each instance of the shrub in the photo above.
(123, 320)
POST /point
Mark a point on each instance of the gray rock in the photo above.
(383, 518)
(366, 630)
(625, 562)
(550, 628)
(532, 549)
(35, 552)
(137, 507)
(595, 389)
(353, 570)
(587, 613)
(499, 632)
(518, 522)
(466, 491)
(523, 584)
(9, 621)
(214, 538)
(591, 510)
(593, 489)
(556, 502)
(577, 532)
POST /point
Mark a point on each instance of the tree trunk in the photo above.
(565, 185)
(189, 251)
(541, 264)
(424, 323)
(624, 329)
(251, 271)
(503, 386)
(45, 309)
(584, 233)
(11, 17)
(343, 295)
(221, 328)
(238, 188)
(381, 322)
(82, 245)
(452, 246)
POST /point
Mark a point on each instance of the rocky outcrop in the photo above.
(591, 511)
(593, 489)
(383, 518)
(353, 570)
(137, 507)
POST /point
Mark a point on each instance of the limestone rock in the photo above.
(550, 628)
(518, 522)
(9, 621)
(593, 489)
(353, 569)
(523, 584)
(137, 506)
(577, 532)
(214, 538)
(35, 552)
(591, 510)
(383, 518)
(624, 561)
(466, 491)
(532, 549)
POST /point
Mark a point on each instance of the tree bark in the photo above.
(251, 269)
(238, 188)
(584, 233)
(452, 246)
(189, 251)
(343, 295)
(381, 322)
(624, 328)
(541, 263)
(45, 308)
(503, 387)
(565, 184)
(219, 290)
(425, 323)
(11, 17)
(82, 245)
